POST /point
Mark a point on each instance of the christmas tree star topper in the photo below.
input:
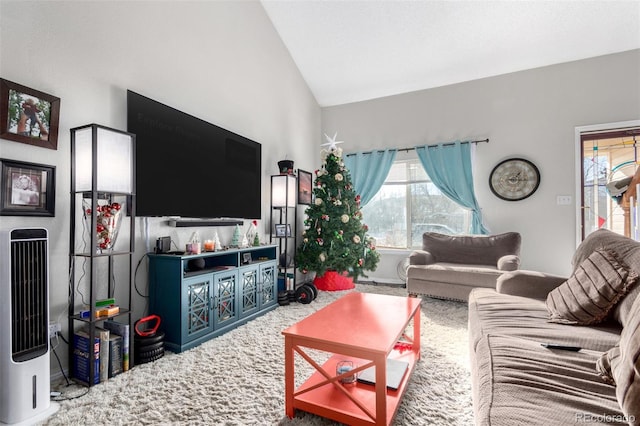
(331, 142)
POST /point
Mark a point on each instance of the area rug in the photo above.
(238, 378)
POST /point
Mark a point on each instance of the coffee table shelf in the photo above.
(375, 324)
(330, 398)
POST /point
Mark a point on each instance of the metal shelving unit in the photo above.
(94, 271)
(284, 214)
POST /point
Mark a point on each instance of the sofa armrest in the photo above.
(536, 285)
(510, 262)
(421, 257)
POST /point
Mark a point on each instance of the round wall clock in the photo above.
(514, 179)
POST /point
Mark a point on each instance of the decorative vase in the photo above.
(108, 221)
(333, 281)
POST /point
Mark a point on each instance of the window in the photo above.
(408, 204)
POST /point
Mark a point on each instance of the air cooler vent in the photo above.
(29, 299)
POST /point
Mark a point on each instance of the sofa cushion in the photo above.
(627, 249)
(471, 249)
(493, 313)
(596, 285)
(518, 382)
(623, 308)
(603, 238)
(625, 369)
(603, 364)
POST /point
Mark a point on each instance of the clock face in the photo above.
(514, 179)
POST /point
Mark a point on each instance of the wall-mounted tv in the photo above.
(190, 168)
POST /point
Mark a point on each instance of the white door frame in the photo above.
(578, 167)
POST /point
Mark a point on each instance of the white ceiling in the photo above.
(349, 51)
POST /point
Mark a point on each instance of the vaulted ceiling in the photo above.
(349, 51)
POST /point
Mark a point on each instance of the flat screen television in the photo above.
(190, 168)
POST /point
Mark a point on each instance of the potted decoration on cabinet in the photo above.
(335, 244)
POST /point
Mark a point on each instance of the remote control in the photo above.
(562, 347)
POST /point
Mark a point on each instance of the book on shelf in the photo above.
(85, 357)
(104, 353)
(115, 355)
(122, 330)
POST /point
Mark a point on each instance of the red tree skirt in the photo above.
(333, 281)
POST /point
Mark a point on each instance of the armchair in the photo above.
(449, 266)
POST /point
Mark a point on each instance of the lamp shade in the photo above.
(107, 153)
(283, 191)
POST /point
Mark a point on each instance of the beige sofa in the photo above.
(449, 266)
(517, 381)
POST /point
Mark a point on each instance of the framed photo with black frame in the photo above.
(283, 230)
(28, 115)
(27, 189)
(305, 180)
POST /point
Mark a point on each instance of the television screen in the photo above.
(190, 168)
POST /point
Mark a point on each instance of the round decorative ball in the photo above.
(196, 264)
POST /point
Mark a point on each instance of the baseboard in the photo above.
(58, 377)
(389, 282)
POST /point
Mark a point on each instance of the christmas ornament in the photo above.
(108, 222)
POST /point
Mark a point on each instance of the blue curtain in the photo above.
(449, 167)
(368, 171)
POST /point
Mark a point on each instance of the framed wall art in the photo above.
(283, 230)
(28, 115)
(27, 189)
(304, 187)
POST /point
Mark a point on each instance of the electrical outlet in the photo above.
(54, 328)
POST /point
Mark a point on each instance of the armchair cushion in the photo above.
(510, 262)
(471, 249)
(421, 257)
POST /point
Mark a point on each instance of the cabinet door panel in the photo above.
(197, 307)
(225, 309)
(249, 302)
(268, 284)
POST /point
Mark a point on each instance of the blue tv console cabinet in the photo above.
(199, 297)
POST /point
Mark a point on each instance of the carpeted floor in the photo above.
(238, 378)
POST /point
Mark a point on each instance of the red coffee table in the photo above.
(364, 328)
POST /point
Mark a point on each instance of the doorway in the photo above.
(609, 158)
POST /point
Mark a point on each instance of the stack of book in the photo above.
(108, 355)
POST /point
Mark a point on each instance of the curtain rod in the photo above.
(411, 149)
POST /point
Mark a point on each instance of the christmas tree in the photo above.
(334, 238)
(236, 240)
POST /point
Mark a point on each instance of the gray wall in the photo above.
(220, 61)
(530, 114)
